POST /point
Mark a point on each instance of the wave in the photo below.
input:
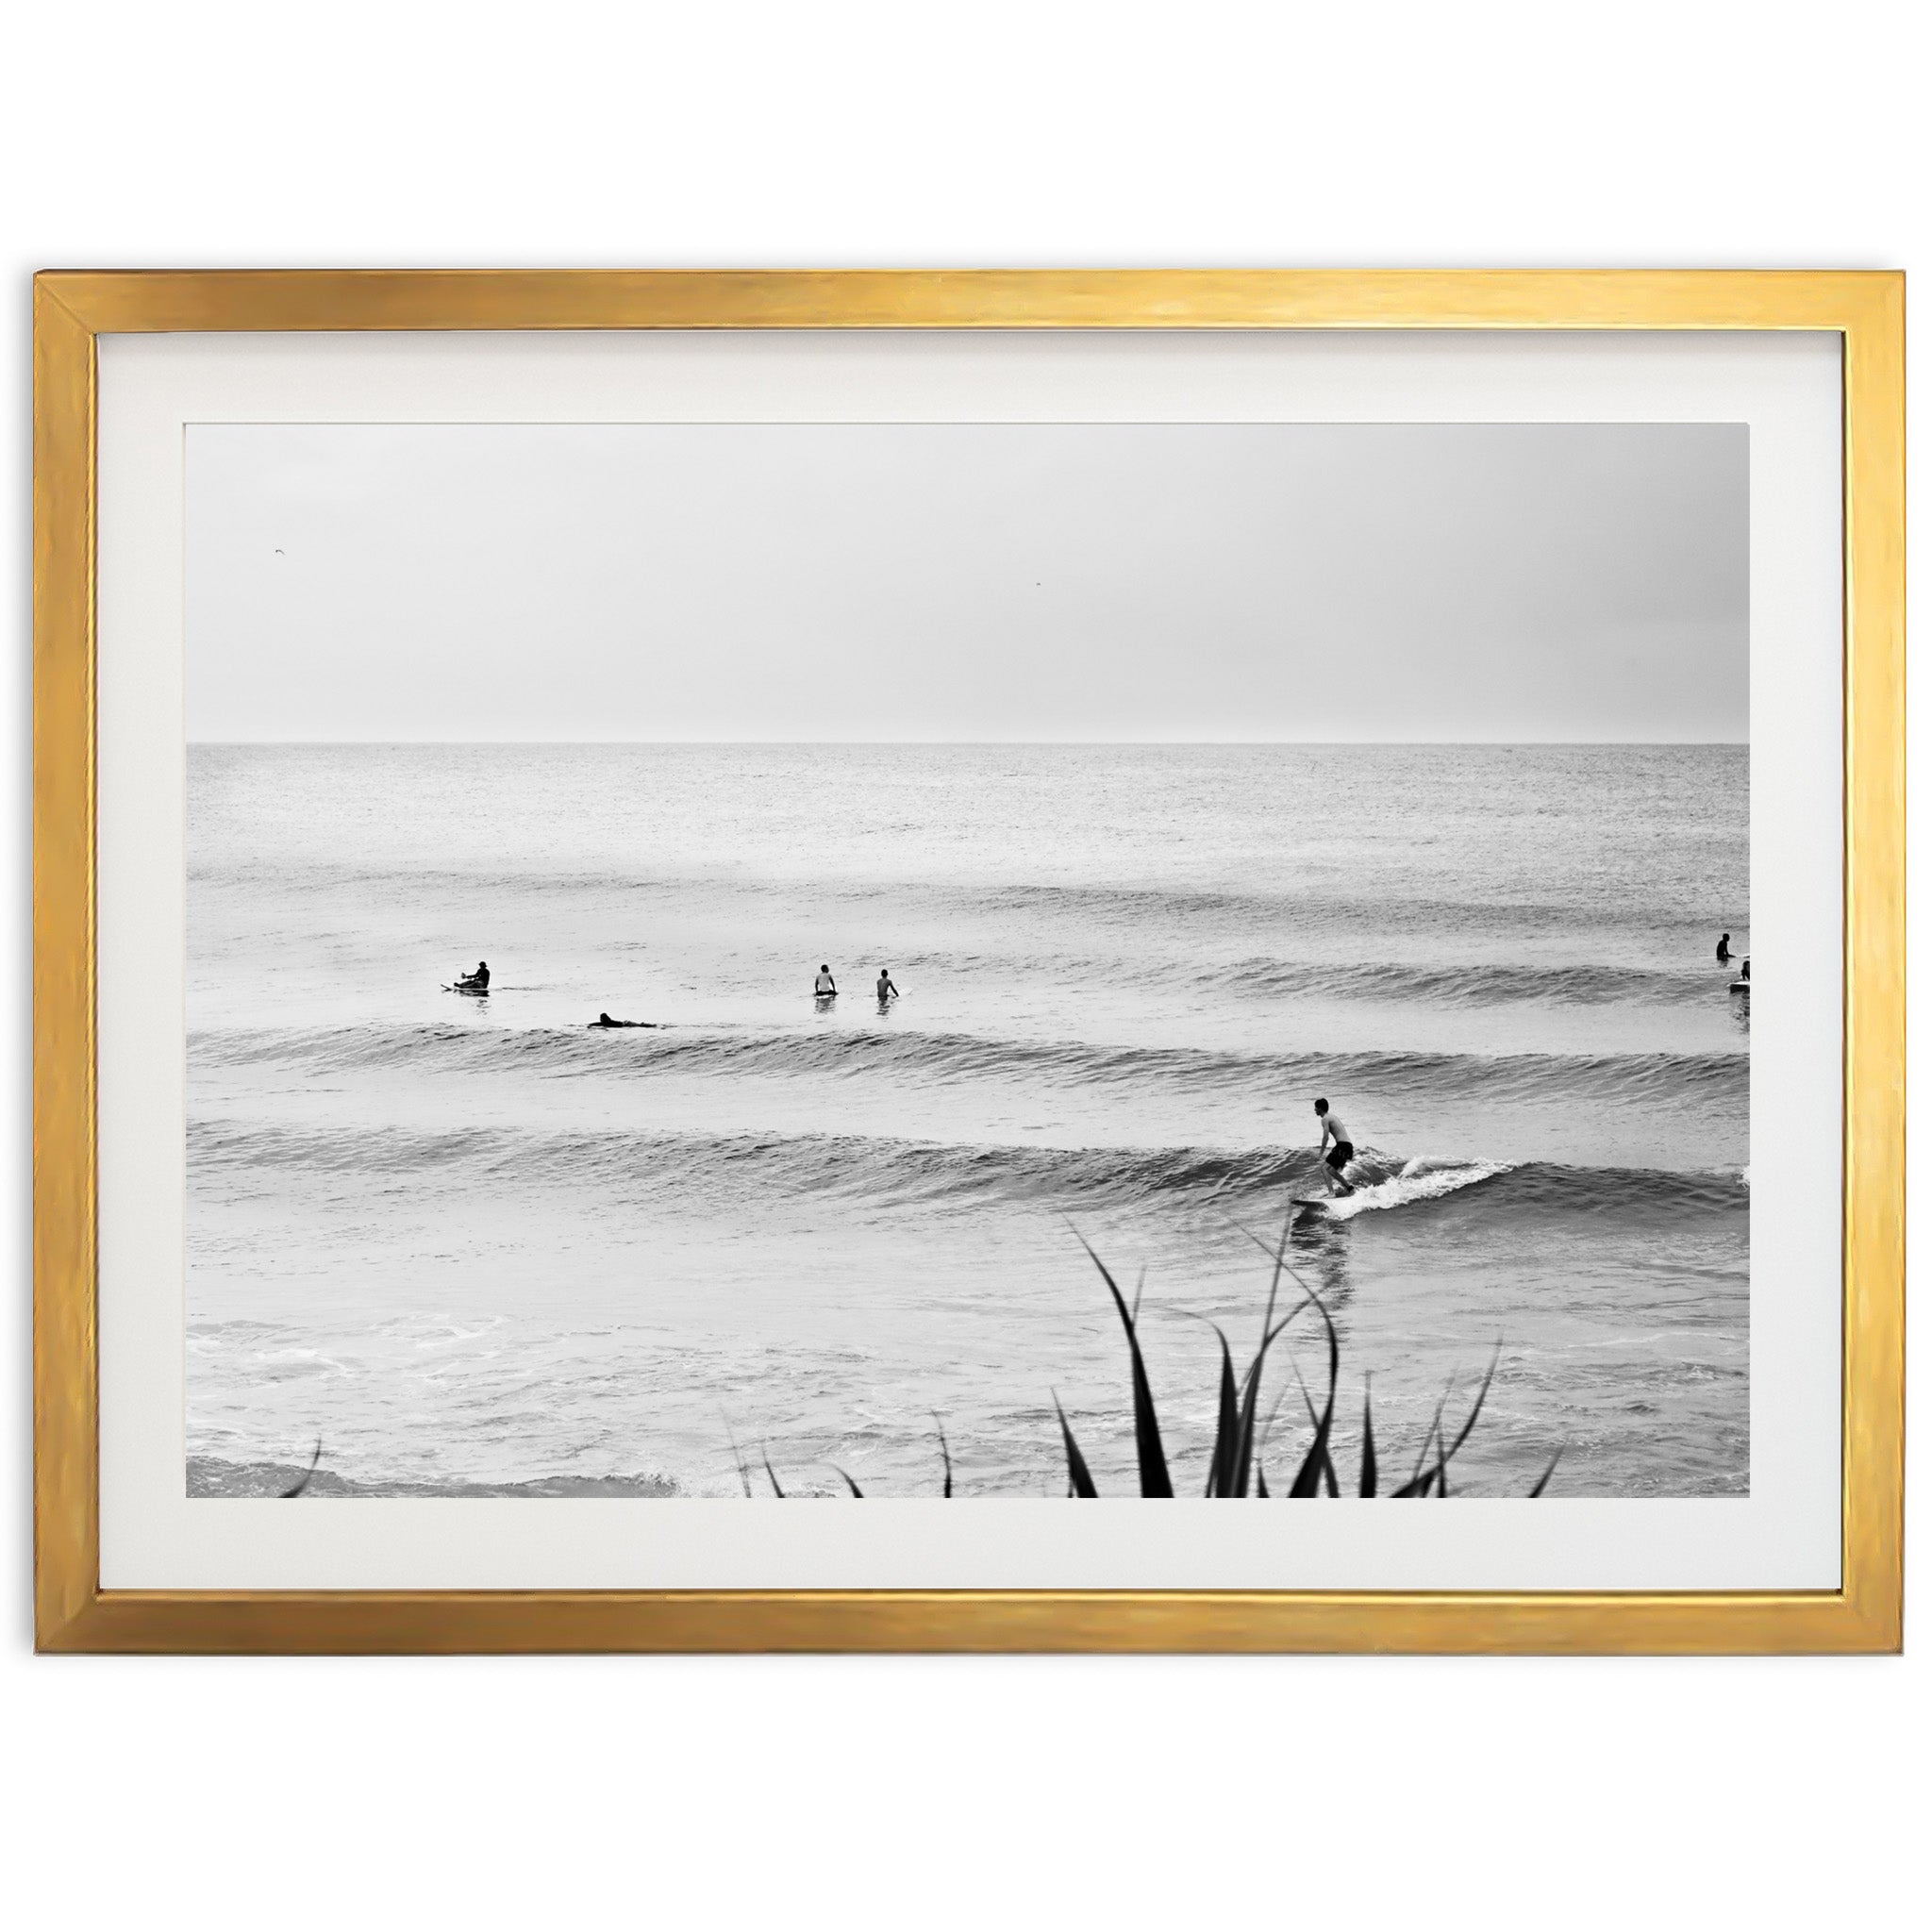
(1557, 983)
(1472, 985)
(215, 1475)
(698, 1171)
(1185, 910)
(1416, 1182)
(1548, 1187)
(852, 1053)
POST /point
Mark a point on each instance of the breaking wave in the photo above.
(698, 1168)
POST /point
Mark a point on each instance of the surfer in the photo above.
(477, 981)
(886, 990)
(605, 1020)
(1337, 1156)
(1723, 950)
(825, 987)
(1742, 982)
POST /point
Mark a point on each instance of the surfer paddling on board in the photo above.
(605, 1020)
(825, 987)
(886, 990)
(1337, 1156)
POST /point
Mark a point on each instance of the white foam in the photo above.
(1414, 1183)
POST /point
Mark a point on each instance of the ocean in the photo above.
(476, 1246)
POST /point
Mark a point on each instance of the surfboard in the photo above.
(475, 992)
(1313, 1207)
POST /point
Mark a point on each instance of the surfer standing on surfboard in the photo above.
(1337, 1156)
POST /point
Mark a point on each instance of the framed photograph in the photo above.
(705, 945)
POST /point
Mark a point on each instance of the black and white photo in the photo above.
(979, 960)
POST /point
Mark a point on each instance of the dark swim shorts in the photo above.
(1340, 1154)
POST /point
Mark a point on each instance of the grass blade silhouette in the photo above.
(1154, 1480)
(1251, 1382)
(945, 1454)
(1418, 1483)
(1439, 1475)
(1317, 1469)
(1476, 1408)
(307, 1474)
(1271, 1330)
(737, 1455)
(767, 1460)
(1368, 1483)
(1223, 1461)
(1550, 1469)
(849, 1483)
(1079, 1483)
(1328, 1471)
(1227, 1426)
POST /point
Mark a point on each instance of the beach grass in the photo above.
(1235, 1467)
(1236, 1461)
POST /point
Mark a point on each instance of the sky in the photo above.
(1219, 582)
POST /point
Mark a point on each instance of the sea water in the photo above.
(475, 1245)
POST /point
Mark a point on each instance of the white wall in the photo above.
(1365, 1792)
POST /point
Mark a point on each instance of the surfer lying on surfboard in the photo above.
(1337, 1156)
(605, 1020)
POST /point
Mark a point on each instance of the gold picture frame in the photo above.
(73, 1613)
